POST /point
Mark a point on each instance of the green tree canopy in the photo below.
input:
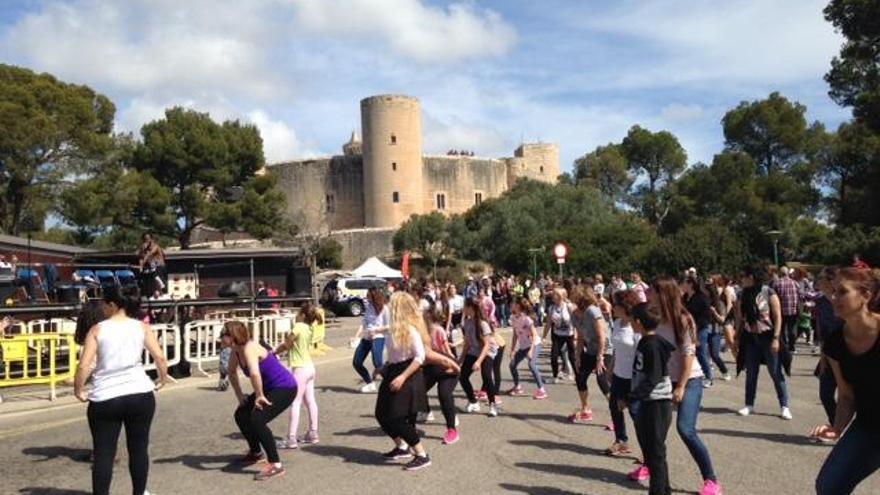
(47, 127)
(855, 74)
(209, 171)
(656, 158)
(606, 169)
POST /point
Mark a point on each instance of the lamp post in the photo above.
(534, 252)
(774, 236)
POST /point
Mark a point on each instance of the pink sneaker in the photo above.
(540, 394)
(451, 436)
(711, 488)
(481, 395)
(581, 417)
(609, 427)
(516, 391)
(498, 400)
(640, 473)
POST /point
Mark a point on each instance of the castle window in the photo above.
(395, 197)
(394, 166)
(478, 198)
(441, 201)
(330, 200)
(393, 139)
(542, 169)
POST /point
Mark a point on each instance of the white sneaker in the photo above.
(726, 377)
(746, 411)
(456, 421)
(473, 407)
(786, 414)
(493, 411)
(424, 417)
(369, 388)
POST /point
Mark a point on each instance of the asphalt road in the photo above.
(529, 448)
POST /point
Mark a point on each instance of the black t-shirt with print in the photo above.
(862, 372)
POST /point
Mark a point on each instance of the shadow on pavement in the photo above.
(584, 472)
(771, 437)
(350, 454)
(227, 463)
(548, 445)
(727, 410)
(50, 453)
(370, 431)
(535, 490)
(42, 490)
(338, 389)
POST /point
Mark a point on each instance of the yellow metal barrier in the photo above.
(34, 360)
(319, 330)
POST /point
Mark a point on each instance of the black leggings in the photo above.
(105, 420)
(496, 371)
(558, 342)
(401, 427)
(254, 423)
(467, 369)
(434, 375)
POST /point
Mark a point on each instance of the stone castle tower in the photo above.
(392, 157)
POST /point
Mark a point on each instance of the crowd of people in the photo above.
(649, 347)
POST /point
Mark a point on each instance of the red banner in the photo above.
(404, 265)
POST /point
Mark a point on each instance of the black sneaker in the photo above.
(396, 454)
(418, 462)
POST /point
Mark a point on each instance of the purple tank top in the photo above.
(274, 374)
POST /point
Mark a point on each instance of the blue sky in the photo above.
(489, 74)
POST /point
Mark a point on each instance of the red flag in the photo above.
(404, 266)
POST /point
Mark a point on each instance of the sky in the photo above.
(489, 74)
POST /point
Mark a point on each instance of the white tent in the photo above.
(373, 267)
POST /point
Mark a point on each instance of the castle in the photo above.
(380, 181)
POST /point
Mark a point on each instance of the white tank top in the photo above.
(119, 370)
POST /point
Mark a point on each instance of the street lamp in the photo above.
(774, 236)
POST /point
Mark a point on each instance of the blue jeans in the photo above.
(620, 388)
(686, 424)
(757, 346)
(521, 354)
(377, 348)
(703, 351)
(715, 352)
(855, 457)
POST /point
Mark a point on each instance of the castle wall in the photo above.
(460, 179)
(322, 194)
(360, 244)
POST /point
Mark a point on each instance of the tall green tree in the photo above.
(773, 131)
(851, 159)
(209, 170)
(855, 74)
(47, 127)
(606, 169)
(656, 158)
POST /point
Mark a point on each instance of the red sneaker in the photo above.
(451, 436)
(540, 394)
(581, 417)
(640, 473)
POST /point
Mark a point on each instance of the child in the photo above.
(443, 374)
(652, 388)
(478, 354)
(526, 343)
(297, 346)
(226, 346)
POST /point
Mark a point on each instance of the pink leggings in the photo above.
(305, 391)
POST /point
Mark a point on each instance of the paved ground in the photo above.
(528, 449)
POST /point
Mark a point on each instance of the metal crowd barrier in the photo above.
(37, 357)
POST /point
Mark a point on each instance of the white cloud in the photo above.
(410, 27)
(280, 142)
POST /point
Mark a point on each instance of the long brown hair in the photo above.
(865, 280)
(376, 298)
(239, 332)
(479, 318)
(310, 314)
(672, 310)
